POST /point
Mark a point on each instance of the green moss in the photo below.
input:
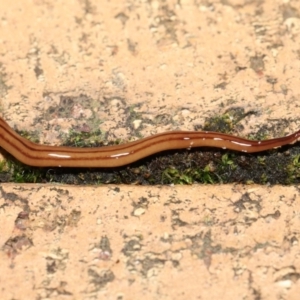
(264, 178)
(172, 175)
(222, 123)
(84, 139)
(293, 170)
(188, 176)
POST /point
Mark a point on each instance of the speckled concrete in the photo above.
(131, 69)
(126, 242)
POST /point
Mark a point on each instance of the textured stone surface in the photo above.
(143, 67)
(134, 68)
(162, 242)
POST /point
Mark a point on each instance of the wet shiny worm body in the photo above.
(38, 155)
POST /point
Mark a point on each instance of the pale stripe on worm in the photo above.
(114, 156)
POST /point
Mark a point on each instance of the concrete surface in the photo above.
(134, 68)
